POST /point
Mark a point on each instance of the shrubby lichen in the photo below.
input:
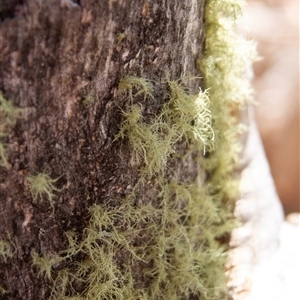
(5, 250)
(8, 118)
(40, 185)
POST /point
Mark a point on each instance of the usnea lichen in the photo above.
(141, 86)
(8, 118)
(225, 67)
(3, 156)
(175, 238)
(42, 184)
(45, 263)
(8, 113)
(5, 250)
(183, 117)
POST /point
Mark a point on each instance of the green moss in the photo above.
(42, 184)
(180, 253)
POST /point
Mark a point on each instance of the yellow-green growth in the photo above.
(3, 156)
(190, 115)
(8, 118)
(8, 113)
(184, 117)
(225, 66)
(151, 146)
(5, 250)
(88, 100)
(42, 185)
(121, 37)
(137, 85)
(45, 263)
(3, 291)
(180, 251)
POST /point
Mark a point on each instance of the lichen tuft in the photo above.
(42, 184)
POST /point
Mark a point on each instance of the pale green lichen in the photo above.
(8, 118)
(3, 156)
(5, 250)
(179, 250)
(8, 112)
(184, 116)
(42, 184)
(133, 84)
(190, 115)
(6, 253)
(150, 146)
(3, 291)
(45, 263)
(121, 36)
(225, 66)
(88, 100)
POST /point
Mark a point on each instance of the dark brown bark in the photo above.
(53, 54)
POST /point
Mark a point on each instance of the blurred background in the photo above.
(274, 24)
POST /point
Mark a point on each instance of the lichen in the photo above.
(183, 117)
(3, 156)
(40, 185)
(5, 250)
(8, 118)
(45, 263)
(88, 100)
(138, 85)
(8, 113)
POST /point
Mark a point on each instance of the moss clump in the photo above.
(88, 100)
(6, 251)
(42, 184)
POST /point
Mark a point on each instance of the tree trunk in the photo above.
(83, 216)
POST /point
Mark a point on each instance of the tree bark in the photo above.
(56, 56)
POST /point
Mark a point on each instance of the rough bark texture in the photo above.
(55, 55)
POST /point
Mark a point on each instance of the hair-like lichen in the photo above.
(5, 250)
(42, 184)
(8, 118)
(45, 263)
(138, 85)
